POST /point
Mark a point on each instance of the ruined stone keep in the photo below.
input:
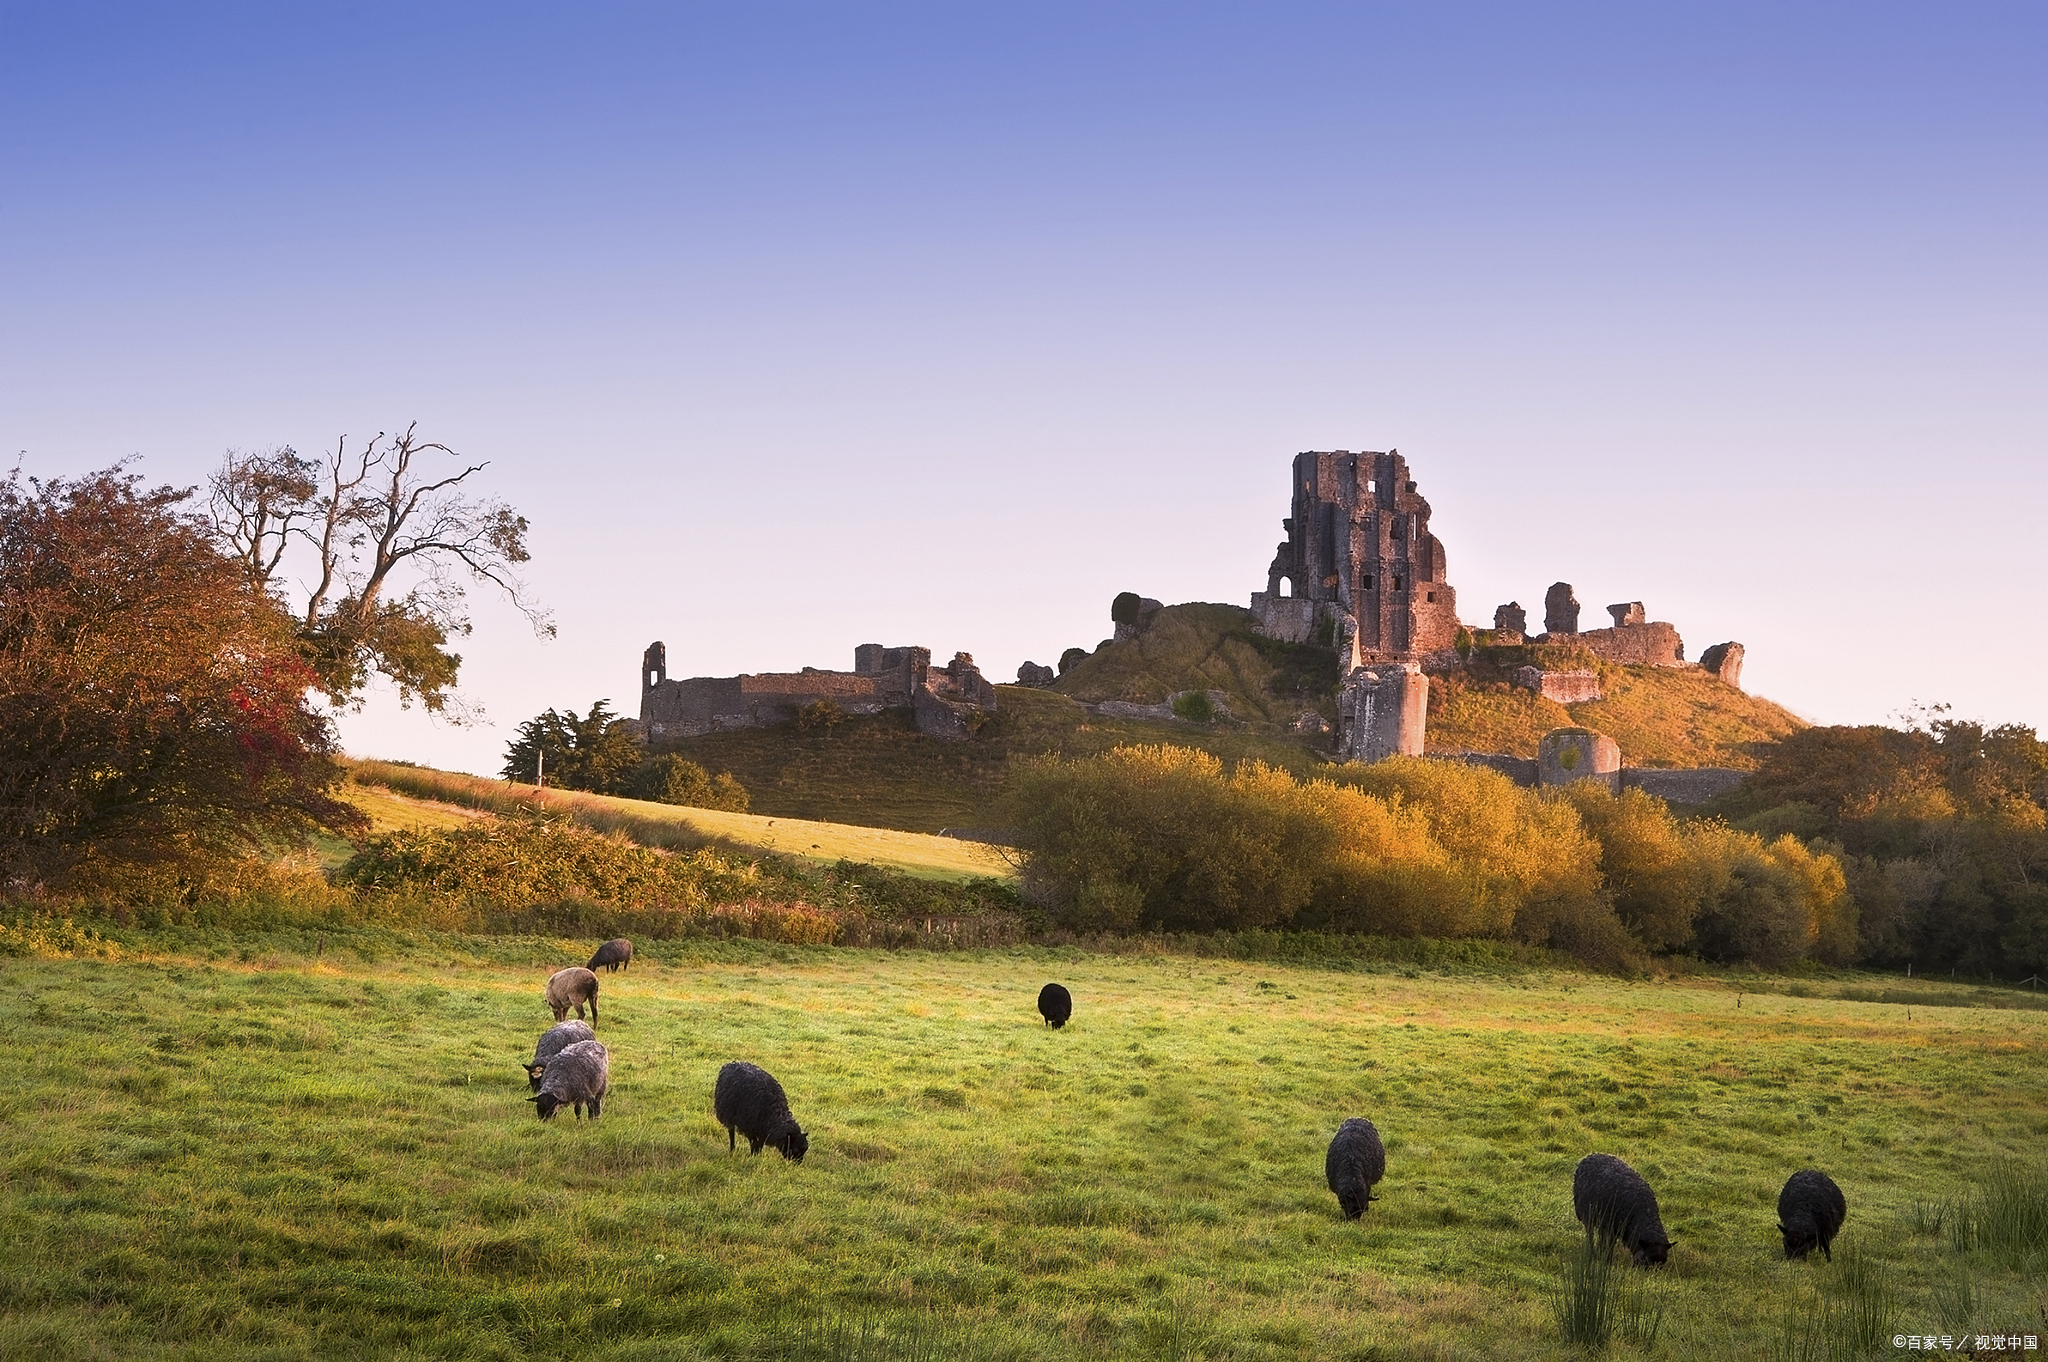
(945, 699)
(1360, 573)
(1359, 562)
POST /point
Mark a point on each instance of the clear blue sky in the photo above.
(795, 327)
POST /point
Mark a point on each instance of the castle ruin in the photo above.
(947, 701)
(1360, 572)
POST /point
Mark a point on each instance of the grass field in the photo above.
(229, 1148)
(442, 798)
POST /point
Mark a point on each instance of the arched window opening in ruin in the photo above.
(1286, 586)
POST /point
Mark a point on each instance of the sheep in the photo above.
(1055, 1004)
(578, 1076)
(1612, 1200)
(572, 987)
(1810, 1213)
(552, 1043)
(1356, 1161)
(614, 955)
(749, 1100)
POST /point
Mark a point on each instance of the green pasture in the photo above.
(293, 1147)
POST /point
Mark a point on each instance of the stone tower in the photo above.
(1359, 565)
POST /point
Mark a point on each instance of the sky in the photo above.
(793, 327)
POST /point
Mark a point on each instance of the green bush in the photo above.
(495, 863)
(1194, 706)
(673, 779)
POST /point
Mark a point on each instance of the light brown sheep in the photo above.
(571, 988)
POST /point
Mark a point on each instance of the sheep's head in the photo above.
(533, 1073)
(794, 1144)
(545, 1105)
(1799, 1242)
(1652, 1251)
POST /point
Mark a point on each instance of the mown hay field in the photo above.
(297, 1147)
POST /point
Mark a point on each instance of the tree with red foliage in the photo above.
(153, 701)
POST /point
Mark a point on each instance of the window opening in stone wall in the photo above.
(1286, 586)
(1397, 584)
(1432, 596)
(1368, 584)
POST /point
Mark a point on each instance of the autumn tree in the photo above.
(389, 535)
(152, 697)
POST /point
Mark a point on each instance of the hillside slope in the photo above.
(1208, 647)
(397, 796)
(1659, 716)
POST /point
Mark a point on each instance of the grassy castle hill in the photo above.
(266, 1146)
(880, 771)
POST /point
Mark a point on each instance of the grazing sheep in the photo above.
(1612, 1200)
(614, 955)
(553, 1042)
(572, 987)
(1810, 1213)
(578, 1076)
(749, 1100)
(1355, 1162)
(1055, 1004)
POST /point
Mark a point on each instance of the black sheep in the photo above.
(1055, 1004)
(614, 955)
(1810, 1213)
(1612, 1201)
(750, 1102)
(1355, 1162)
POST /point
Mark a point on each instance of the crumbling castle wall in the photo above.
(1382, 711)
(944, 699)
(1569, 754)
(1634, 640)
(1724, 660)
(1567, 688)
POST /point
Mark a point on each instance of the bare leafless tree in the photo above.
(375, 519)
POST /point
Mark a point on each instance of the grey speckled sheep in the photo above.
(572, 987)
(557, 1038)
(1355, 1162)
(1810, 1211)
(749, 1100)
(579, 1076)
(614, 955)
(1612, 1201)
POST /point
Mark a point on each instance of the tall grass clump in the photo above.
(1851, 1317)
(1597, 1300)
(2005, 1217)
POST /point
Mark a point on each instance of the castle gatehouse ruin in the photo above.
(948, 701)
